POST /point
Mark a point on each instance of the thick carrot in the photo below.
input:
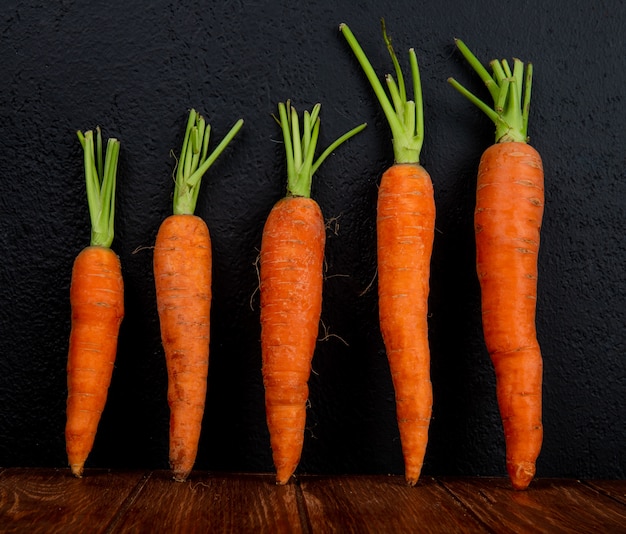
(97, 302)
(291, 272)
(405, 228)
(507, 221)
(182, 273)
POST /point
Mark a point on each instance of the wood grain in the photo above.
(210, 503)
(615, 489)
(550, 506)
(110, 502)
(363, 504)
(52, 500)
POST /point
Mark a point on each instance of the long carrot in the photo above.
(405, 232)
(507, 220)
(182, 273)
(291, 270)
(97, 302)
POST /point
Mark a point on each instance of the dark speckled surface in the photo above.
(135, 68)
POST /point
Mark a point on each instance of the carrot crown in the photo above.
(100, 178)
(405, 117)
(300, 150)
(510, 91)
(195, 160)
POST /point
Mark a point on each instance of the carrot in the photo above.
(291, 270)
(182, 273)
(97, 303)
(507, 222)
(405, 228)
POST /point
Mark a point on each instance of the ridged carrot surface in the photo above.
(405, 230)
(182, 267)
(509, 210)
(507, 224)
(97, 301)
(291, 274)
(97, 304)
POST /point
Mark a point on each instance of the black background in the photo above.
(136, 68)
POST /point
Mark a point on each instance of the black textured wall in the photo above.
(136, 68)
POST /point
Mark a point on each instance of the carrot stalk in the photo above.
(405, 232)
(291, 270)
(507, 223)
(182, 273)
(97, 303)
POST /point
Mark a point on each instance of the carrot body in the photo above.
(405, 228)
(182, 271)
(509, 209)
(405, 232)
(291, 271)
(97, 302)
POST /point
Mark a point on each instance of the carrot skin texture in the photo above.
(97, 302)
(182, 271)
(291, 274)
(405, 234)
(508, 215)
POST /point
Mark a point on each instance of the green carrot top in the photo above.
(405, 116)
(510, 91)
(300, 150)
(195, 160)
(100, 178)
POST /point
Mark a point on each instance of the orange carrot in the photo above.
(182, 273)
(291, 270)
(507, 221)
(405, 228)
(97, 302)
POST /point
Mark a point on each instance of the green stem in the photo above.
(405, 117)
(195, 161)
(100, 179)
(300, 146)
(509, 90)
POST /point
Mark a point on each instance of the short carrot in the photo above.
(507, 223)
(182, 273)
(291, 272)
(405, 228)
(97, 303)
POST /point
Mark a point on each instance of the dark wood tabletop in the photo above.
(108, 501)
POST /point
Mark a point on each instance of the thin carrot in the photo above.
(291, 270)
(182, 273)
(507, 221)
(97, 302)
(405, 233)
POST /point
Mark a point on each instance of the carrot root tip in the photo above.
(521, 474)
(77, 471)
(180, 476)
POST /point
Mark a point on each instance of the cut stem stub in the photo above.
(300, 146)
(510, 91)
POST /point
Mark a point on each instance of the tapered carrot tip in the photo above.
(411, 481)
(180, 476)
(521, 474)
(282, 477)
(181, 464)
(77, 470)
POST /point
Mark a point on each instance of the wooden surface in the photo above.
(51, 500)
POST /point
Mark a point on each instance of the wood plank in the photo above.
(52, 500)
(613, 488)
(548, 505)
(363, 504)
(211, 503)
